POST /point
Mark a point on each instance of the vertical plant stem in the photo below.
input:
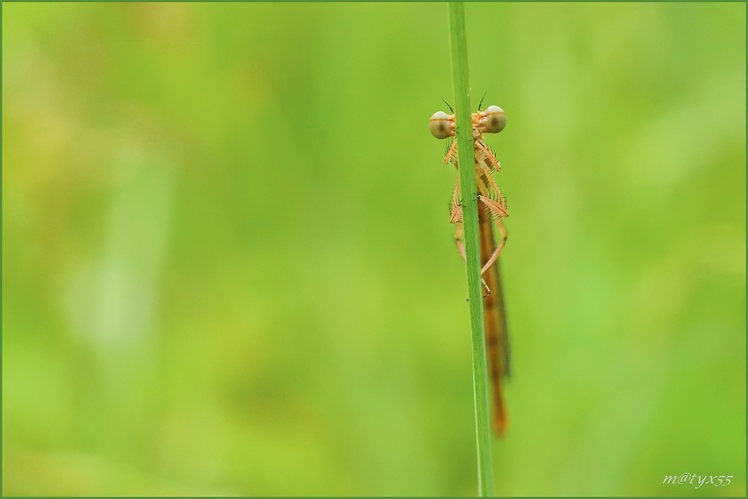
(469, 193)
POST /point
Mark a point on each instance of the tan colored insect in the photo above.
(491, 210)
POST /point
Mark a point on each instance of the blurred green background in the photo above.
(228, 266)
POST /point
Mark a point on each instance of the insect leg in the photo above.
(502, 241)
(461, 248)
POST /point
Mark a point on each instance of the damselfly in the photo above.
(491, 210)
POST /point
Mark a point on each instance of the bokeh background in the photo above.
(227, 266)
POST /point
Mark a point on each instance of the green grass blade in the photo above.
(470, 220)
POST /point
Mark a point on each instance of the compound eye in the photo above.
(494, 119)
(442, 125)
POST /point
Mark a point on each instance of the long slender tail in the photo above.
(497, 344)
